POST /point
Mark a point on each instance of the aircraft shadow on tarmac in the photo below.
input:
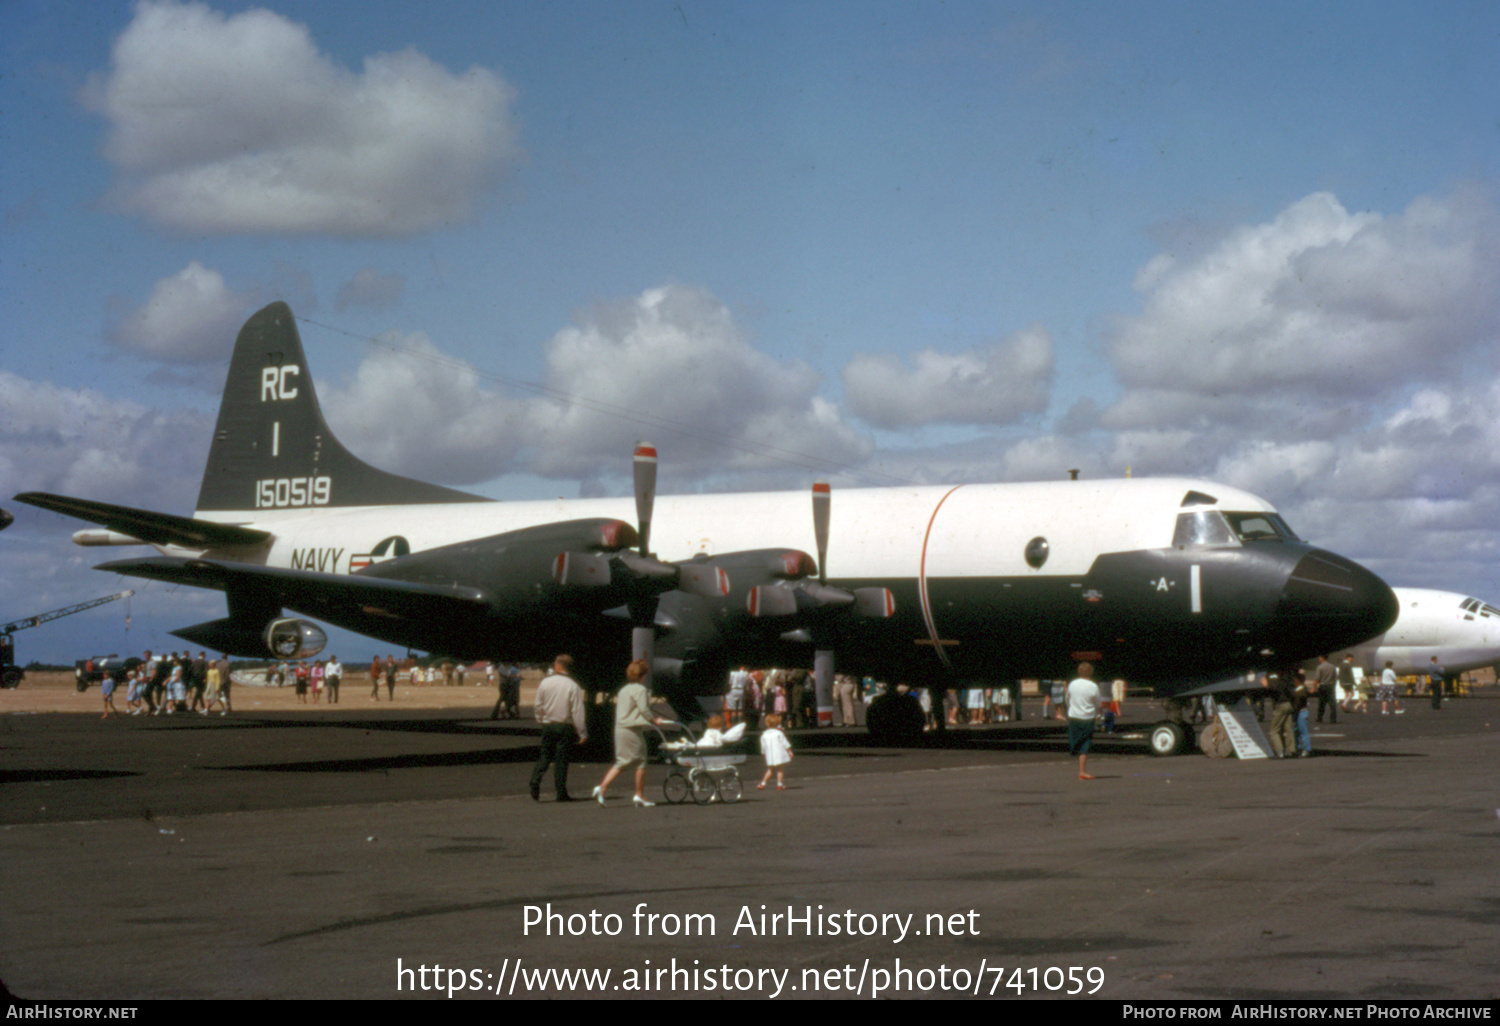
(381, 764)
(30, 776)
(838, 743)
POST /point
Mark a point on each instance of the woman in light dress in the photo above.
(632, 716)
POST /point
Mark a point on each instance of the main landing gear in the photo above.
(1172, 737)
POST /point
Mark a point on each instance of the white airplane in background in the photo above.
(1174, 583)
(1463, 632)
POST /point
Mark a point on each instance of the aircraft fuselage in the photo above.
(968, 604)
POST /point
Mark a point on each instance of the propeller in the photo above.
(815, 604)
(823, 657)
(638, 574)
(643, 606)
(793, 594)
(822, 499)
(645, 490)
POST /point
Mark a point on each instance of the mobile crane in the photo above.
(11, 675)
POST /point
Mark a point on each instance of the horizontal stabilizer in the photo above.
(151, 528)
(329, 596)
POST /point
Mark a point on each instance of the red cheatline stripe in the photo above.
(922, 581)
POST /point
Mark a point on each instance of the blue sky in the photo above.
(887, 242)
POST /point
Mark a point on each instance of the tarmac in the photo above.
(375, 851)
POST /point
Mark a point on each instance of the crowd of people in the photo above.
(168, 684)
(561, 710)
(176, 683)
(1334, 688)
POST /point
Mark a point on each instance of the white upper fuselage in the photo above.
(1462, 632)
(884, 533)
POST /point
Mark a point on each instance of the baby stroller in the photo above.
(701, 767)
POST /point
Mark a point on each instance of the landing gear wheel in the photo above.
(730, 788)
(675, 788)
(1168, 738)
(704, 789)
(10, 678)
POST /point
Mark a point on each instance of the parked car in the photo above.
(92, 670)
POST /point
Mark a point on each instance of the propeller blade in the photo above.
(821, 499)
(823, 685)
(645, 490)
(643, 646)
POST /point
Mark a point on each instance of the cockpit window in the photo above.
(1258, 527)
(1205, 527)
(1473, 605)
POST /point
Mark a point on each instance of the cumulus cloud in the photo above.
(192, 316)
(1284, 321)
(240, 124)
(414, 410)
(87, 444)
(999, 384)
(674, 356)
(670, 365)
(370, 290)
(1343, 366)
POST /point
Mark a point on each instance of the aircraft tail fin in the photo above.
(272, 449)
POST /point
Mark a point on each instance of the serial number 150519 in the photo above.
(273, 493)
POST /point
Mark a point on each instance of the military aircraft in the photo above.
(1174, 582)
(1462, 632)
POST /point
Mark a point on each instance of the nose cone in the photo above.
(1329, 603)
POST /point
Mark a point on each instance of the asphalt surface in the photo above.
(284, 855)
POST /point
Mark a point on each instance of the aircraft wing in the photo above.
(328, 596)
(151, 528)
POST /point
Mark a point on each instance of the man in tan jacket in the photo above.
(560, 711)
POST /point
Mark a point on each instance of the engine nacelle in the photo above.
(294, 639)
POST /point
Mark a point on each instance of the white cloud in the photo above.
(1317, 307)
(190, 317)
(999, 384)
(370, 290)
(86, 444)
(669, 365)
(240, 124)
(674, 359)
(1340, 365)
(420, 412)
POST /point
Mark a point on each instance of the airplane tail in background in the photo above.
(272, 449)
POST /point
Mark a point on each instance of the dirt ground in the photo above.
(56, 692)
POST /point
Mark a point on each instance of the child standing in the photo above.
(778, 752)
